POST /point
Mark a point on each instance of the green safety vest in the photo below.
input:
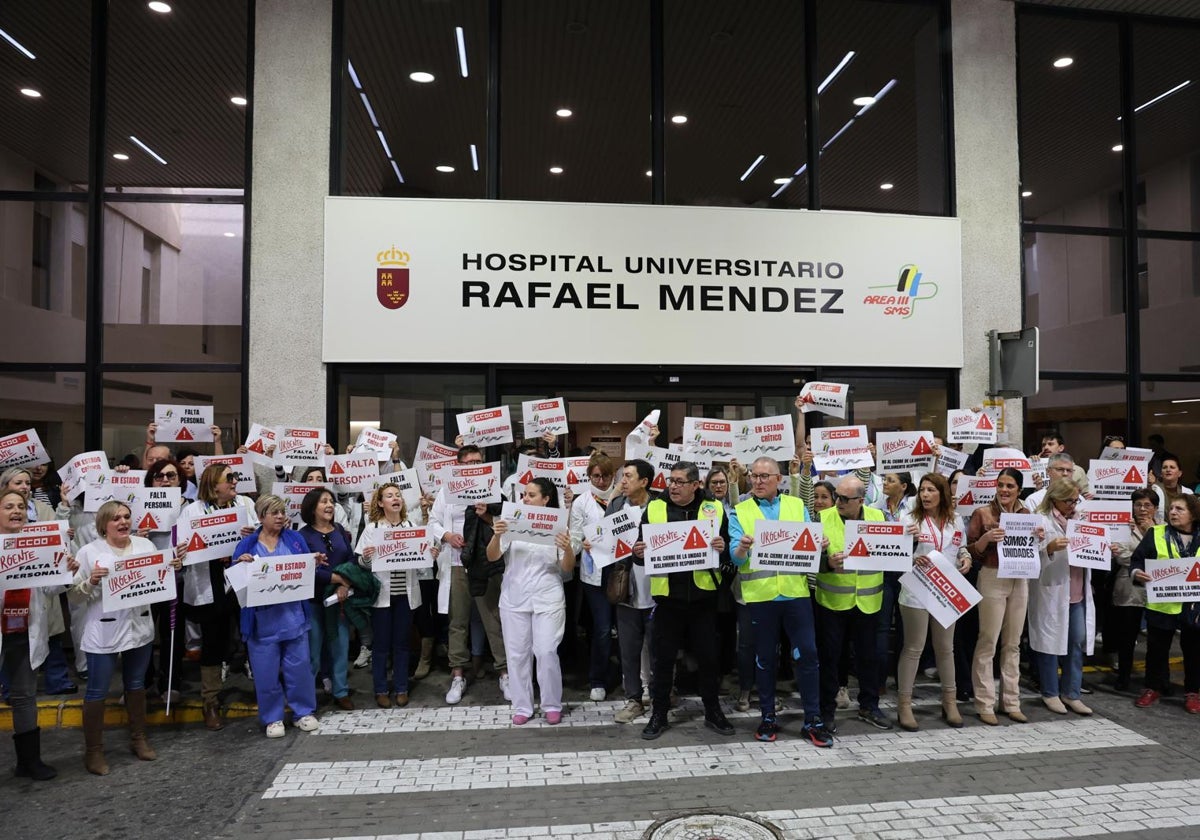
(660, 585)
(767, 586)
(1162, 550)
(845, 590)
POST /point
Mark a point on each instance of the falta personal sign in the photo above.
(433, 280)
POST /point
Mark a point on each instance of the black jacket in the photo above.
(476, 535)
(682, 586)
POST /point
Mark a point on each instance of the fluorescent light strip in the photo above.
(840, 132)
(396, 169)
(383, 142)
(883, 91)
(370, 110)
(462, 51)
(353, 76)
(474, 158)
(16, 44)
(795, 175)
(148, 150)
(1177, 402)
(753, 166)
(841, 66)
(1163, 95)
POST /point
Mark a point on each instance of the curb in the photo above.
(68, 714)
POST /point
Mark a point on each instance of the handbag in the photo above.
(617, 587)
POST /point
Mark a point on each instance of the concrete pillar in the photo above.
(293, 44)
(987, 178)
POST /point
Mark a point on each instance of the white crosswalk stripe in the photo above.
(383, 777)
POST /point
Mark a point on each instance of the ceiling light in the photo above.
(1026, 193)
(230, 234)
(886, 186)
(784, 186)
(563, 112)
(238, 100)
(120, 156)
(649, 173)
(474, 158)
(555, 170)
(16, 44)
(753, 166)
(421, 76)
(1119, 148)
(783, 181)
(1192, 400)
(679, 119)
(353, 76)
(860, 101)
(396, 169)
(1065, 61)
(370, 111)
(148, 150)
(31, 93)
(1163, 95)
(387, 151)
(161, 8)
(878, 97)
(444, 168)
(841, 66)
(462, 51)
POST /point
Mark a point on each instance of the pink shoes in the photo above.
(553, 718)
(520, 720)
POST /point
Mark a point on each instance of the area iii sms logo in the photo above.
(391, 278)
(908, 290)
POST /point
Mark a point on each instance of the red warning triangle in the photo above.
(148, 522)
(805, 543)
(184, 434)
(860, 549)
(695, 540)
(572, 478)
(985, 422)
(967, 499)
(525, 479)
(623, 549)
(336, 469)
(196, 543)
(257, 446)
(922, 447)
(1194, 575)
(1134, 477)
(659, 483)
(807, 398)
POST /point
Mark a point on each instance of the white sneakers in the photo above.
(843, 698)
(275, 730)
(457, 686)
(598, 694)
(364, 657)
(308, 723)
(503, 688)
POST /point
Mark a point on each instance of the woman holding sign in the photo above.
(936, 529)
(1179, 538)
(586, 513)
(164, 475)
(1129, 601)
(127, 634)
(277, 634)
(533, 608)
(1062, 617)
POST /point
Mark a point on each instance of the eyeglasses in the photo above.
(679, 482)
(596, 476)
(763, 476)
(842, 498)
(163, 476)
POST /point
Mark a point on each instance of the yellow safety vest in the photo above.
(767, 586)
(660, 585)
(845, 590)
(1162, 549)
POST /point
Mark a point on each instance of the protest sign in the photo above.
(910, 452)
(639, 438)
(532, 524)
(297, 447)
(545, 415)
(211, 536)
(613, 537)
(136, 581)
(1019, 551)
(84, 469)
(1116, 479)
(109, 486)
(472, 484)
(183, 423)
(973, 493)
(24, 449)
(431, 473)
(942, 590)
(280, 580)
(530, 467)
(406, 480)
(1004, 457)
(663, 460)
(825, 397)
(1173, 580)
(401, 549)
(838, 448)
(1088, 546)
(260, 439)
(950, 460)
(966, 426)
(789, 547)
(242, 467)
(34, 557)
(1117, 516)
(877, 547)
(293, 493)
(765, 437)
(708, 438)
(485, 427)
(154, 508)
(679, 546)
(1128, 453)
(348, 474)
(378, 442)
(431, 450)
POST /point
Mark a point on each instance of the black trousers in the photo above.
(671, 624)
(1124, 624)
(1158, 657)
(834, 627)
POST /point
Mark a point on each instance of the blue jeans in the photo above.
(883, 635)
(795, 618)
(392, 626)
(337, 652)
(55, 666)
(1071, 664)
(101, 666)
(282, 672)
(602, 621)
(745, 648)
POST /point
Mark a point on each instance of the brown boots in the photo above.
(905, 713)
(210, 688)
(135, 705)
(950, 708)
(425, 663)
(93, 737)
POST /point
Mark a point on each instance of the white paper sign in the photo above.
(109, 486)
(34, 557)
(351, 473)
(973, 493)
(24, 449)
(154, 508)
(613, 537)
(663, 460)
(431, 473)
(837, 448)
(1117, 516)
(137, 581)
(260, 439)
(708, 438)
(472, 484)
(212, 536)
(1019, 551)
(532, 524)
(486, 427)
(765, 437)
(877, 547)
(943, 592)
(183, 423)
(1173, 580)
(1116, 479)
(242, 466)
(296, 447)
(1129, 453)
(788, 547)
(293, 493)
(237, 579)
(378, 442)
(825, 397)
(84, 469)
(406, 480)
(281, 580)
(431, 450)
(639, 438)
(1002, 458)
(910, 452)
(966, 426)
(679, 546)
(546, 415)
(950, 460)
(1088, 546)
(401, 549)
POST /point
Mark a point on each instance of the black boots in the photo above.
(29, 757)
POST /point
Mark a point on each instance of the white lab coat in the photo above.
(115, 631)
(586, 513)
(1050, 601)
(197, 584)
(39, 621)
(411, 581)
(947, 541)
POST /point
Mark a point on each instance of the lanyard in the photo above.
(937, 536)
